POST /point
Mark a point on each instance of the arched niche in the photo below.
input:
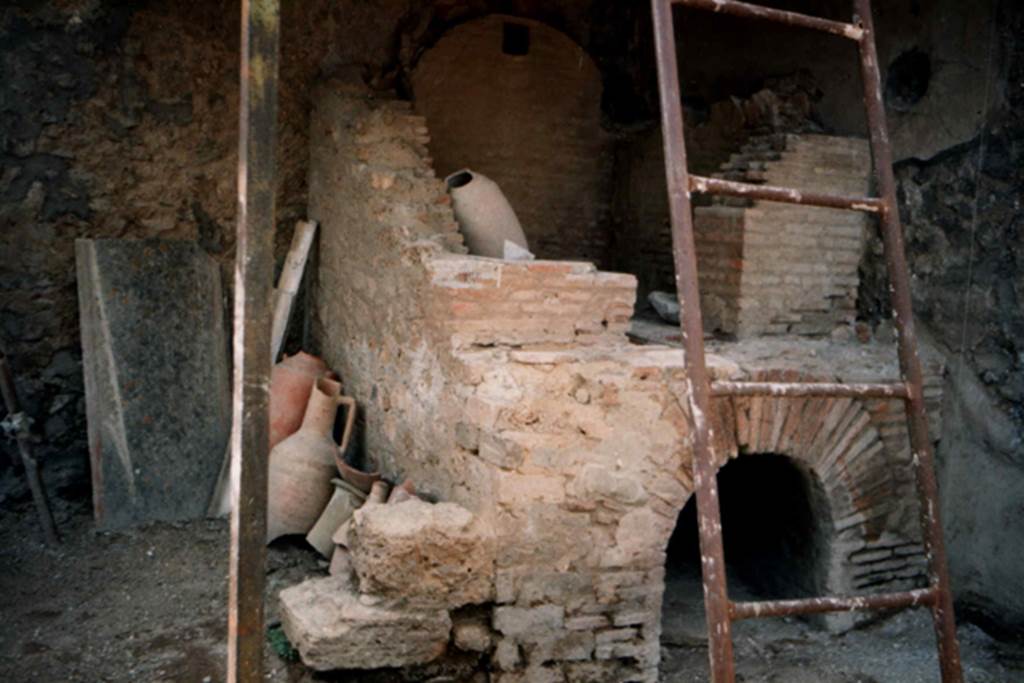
(520, 102)
(820, 468)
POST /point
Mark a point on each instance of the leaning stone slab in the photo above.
(157, 385)
(431, 555)
(327, 622)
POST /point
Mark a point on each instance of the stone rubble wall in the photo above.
(767, 268)
(511, 389)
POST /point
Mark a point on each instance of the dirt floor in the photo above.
(149, 605)
(897, 649)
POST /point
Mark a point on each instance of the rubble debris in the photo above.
(471, 633)
(404, 491)
(333, 627)
(346, 500)
(666, 305)
(341, 562)
(428, 554)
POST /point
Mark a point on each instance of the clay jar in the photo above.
(485, 217)
(301, 466)
(290, 383)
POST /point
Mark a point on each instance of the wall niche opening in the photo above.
(515, 39)
(776, 527)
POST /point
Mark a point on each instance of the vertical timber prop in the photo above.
(18, 423)
(254, 273)
(910, 363)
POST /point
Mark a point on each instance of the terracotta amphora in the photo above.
(485, 217)
(290, 384)
(302, 466)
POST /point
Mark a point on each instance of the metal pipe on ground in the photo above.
(18, 422)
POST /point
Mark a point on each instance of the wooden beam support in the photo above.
(254, 276)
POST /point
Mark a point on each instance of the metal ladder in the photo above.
(721, 611)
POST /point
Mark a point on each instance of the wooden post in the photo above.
(254, 275)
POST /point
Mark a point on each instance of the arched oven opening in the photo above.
(777, 533)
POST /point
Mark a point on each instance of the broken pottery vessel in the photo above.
(343, 503)
(402, 492)
(485, 217)
(363, 481)
(301, 466)
(291, 381)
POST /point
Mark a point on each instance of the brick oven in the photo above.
(515, 390)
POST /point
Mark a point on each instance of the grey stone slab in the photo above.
(157, 383)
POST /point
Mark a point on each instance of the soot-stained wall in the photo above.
(120, 120)
(965, 240)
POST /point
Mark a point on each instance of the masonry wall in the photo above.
(642, 239)
(767, 268)
(490, 384)
(531, 122)
(510, 388)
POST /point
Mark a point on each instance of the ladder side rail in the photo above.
(910, 363)
(716, 599)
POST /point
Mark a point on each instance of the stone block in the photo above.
(557, 588)
(500, 452)
(332, 629)
(157, 383)
(597, 672)
(616, 635)
(587, 623)
(529, 623)
(471, 634)
(573, 646)
(521, 489)
(601, 483)
(507, 655)
(428, 554)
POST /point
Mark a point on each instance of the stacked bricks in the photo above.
(767, 268)
(488, 301)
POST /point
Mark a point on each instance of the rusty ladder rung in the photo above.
(750, 11)
(921, 597)
(772, 193)
(801, 389)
